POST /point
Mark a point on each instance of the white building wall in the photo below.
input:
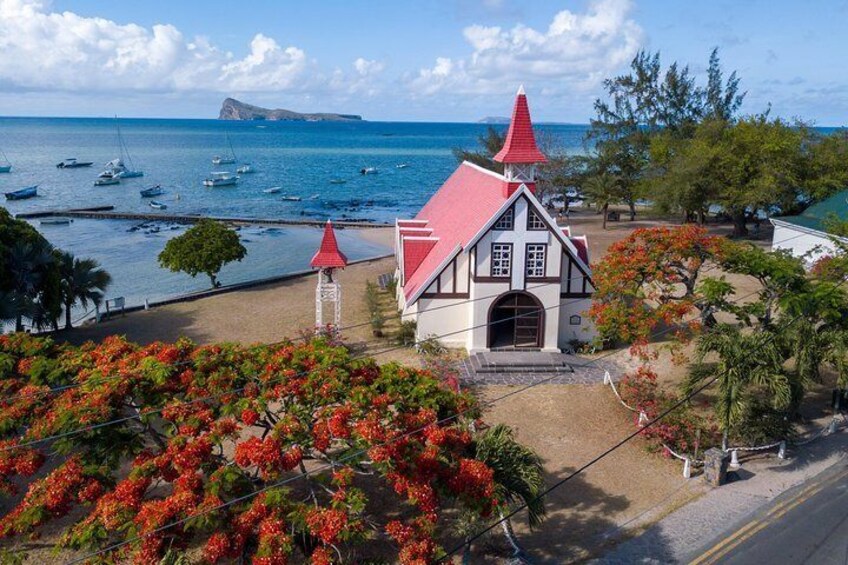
(584, 331)
(446, 319)
(482, 297)
(800, 242)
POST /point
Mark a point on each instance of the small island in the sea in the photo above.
(233, 109)
(494, 120)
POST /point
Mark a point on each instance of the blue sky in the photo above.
(448, 60)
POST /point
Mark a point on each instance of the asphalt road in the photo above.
(808, 524)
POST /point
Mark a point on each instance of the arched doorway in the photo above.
(516, 320)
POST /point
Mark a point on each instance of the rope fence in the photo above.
(690, 461)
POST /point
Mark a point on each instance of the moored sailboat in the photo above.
(5, 165)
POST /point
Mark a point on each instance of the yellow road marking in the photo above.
(754, 526)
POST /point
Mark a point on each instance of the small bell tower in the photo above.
(520, 155)
(327, 260)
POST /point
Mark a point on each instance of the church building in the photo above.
(484, 266)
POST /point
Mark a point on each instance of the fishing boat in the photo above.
(158, 205)
(368, 171)
(273, 190)
(23, 194)
(152, 191)
(337, 181)
(220, 178)
(225, 160)
(245, 169)
(72, 163)
(56, 221)
(107, 181)
(291, 198)
(402, 166)
(5, 166)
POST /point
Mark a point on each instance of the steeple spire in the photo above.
(520, 143)
(520, 155)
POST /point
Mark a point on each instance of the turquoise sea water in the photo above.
(300, 157)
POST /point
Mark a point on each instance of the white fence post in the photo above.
(643, 418)
(607, 378)
(781, 452)
(734, 459)
(687, 468)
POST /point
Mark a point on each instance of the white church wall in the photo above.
(575, 310)
(446, 319)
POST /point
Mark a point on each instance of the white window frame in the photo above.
(506, 222)
(536, 261)
(535, 221)
(501, 260)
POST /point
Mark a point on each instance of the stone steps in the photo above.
(520, 362)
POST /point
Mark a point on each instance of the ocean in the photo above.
(300, 157)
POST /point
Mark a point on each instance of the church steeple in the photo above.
(520, 155)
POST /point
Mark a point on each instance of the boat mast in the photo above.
(230, 143)
(122, 145)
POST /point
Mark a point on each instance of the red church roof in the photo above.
(460, 208)
(328, 255)
(520, 144)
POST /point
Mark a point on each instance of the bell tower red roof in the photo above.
(328, 255)
(520, 145)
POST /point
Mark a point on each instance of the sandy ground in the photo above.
(568, 426)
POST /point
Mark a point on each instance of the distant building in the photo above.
(483, 265)
(806, 234)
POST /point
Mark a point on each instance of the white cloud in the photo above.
(368, 68)
(575, 52)
(40, 49)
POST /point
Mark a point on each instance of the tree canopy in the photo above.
(267, 453)
(204, 248)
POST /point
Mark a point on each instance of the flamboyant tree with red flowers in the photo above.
(654, 278)
(269, 453)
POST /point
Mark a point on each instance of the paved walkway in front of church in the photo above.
(524, 368)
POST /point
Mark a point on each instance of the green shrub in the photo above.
(406, 333)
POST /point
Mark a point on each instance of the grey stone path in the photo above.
(684, 534)
(523, 368)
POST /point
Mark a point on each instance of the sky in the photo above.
(405, 60)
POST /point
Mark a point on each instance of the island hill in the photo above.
(233, 109)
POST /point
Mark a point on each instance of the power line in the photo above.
(594, 460)
(358, 453)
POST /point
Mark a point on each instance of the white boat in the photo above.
(245, 169)
(220, 178)
(56, 221)
(116, 167)
(292, 198)
(157, 205)
(227, 159)
(402, 166)
(273, 190)
(73, 163)
(368, 170)
(107, 181)
(337, 181)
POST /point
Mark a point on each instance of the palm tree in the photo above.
(602, 190)
(748, 364)
(27, 264)
(83, 281)
(518, 474)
